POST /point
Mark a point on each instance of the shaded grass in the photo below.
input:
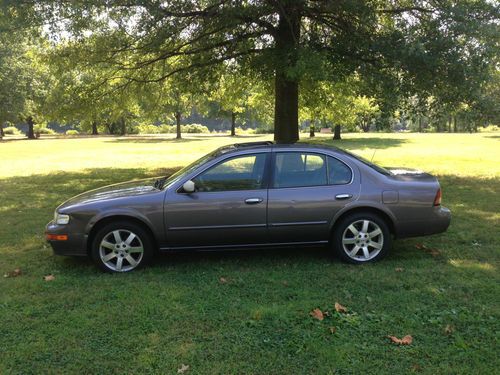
(177, 311)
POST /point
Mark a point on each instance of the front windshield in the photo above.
(369, 163)
(189, 168)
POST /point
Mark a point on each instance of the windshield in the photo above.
(189, 168)
(369, 163)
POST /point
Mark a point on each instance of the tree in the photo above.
(366, 112)
(414, 42)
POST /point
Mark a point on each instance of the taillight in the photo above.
(437, 199)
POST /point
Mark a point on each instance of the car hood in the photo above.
(121, 190)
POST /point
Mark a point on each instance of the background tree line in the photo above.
(116, 66)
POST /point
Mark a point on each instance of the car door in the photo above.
(228, 207)
(306, 191)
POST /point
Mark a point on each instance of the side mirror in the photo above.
(188, 187)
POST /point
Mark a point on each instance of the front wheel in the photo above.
(361, 238)
(121, 247)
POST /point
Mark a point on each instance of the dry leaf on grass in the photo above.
(49, 277)
(407, 340)
(183, 369)
(339, 308)
(420, 246)
(333, 330)
(15, 273)
(433, 252)
(317, 314)
(223, 280)
(449, 329)
(398, 269)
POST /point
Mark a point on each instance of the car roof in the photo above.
(249, 146)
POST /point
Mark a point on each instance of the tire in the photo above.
(121, 246)
(361, 238)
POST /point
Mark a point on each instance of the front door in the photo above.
(227, 208)
(307, 190)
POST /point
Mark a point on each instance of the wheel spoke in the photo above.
(354, 251)
(366, 253)
(349, 241)
(107, 245)
(375, 233)
(131, 260)
(108, 257)
(364, 229)
(130, 238)
(117, 236)
(353, 229)
(119, 263)
(136, 249)
(375, 245)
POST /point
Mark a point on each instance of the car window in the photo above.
(295, 169)
(338, 172)
(244, 172)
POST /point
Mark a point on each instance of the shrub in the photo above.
(239, 130)
(190, 128)
(43, 130)
(11, 130)
(148, 129)
(72, 132)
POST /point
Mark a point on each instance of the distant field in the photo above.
(443, 290)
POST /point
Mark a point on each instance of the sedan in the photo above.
(251, 195)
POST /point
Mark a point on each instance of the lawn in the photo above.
(249, 311)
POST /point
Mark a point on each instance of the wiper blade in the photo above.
(159, 183)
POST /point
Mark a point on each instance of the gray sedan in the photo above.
(252, 195)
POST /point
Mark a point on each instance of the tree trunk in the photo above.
(94, 128)
(455, 129)
(123, 129)
(31, 123)
(286, 109)
(311, 129)
(336, 132)
(419, 124)
(178, 125)
(233, 124)
(1, 131)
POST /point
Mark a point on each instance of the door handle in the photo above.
(343, 196)
(253, 200)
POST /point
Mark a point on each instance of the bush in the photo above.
(264, 130)
(149, 129)
(43, 130)
(11, 130)
(194, 129)
(239, 130)
(72, 132)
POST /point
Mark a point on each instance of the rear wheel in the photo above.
(362, 238)
(121, 247)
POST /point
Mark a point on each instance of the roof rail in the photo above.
(250, 144)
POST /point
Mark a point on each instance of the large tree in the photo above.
(415, 42)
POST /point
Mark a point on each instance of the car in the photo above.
(248, 195)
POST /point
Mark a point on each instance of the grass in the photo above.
(179, 312)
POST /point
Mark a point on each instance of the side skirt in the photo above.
(244, 246)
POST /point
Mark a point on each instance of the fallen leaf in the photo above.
(420, 246)
(416, 367)
(434, 252)
(183, 369)
(223, 280)
(285, 283)
(449, 329)
(398, 269)
(407, 340)
(339, 308)
(49, 277)
(333, 330)
(317, 314)
(15, 273)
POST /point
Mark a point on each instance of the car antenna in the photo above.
(374, 151)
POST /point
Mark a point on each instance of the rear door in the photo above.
(306, 190)
(229, 206)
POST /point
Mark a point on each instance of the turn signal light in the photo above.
(56, 237)
(437, 199)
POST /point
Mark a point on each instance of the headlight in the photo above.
(61, 219)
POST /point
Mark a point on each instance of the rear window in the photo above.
(378, 168)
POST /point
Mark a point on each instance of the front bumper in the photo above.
(75, 245)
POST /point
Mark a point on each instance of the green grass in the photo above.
(178, 312)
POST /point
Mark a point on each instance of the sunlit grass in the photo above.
(257, 321)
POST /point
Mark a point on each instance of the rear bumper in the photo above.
(438, 221)
(75, 245)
